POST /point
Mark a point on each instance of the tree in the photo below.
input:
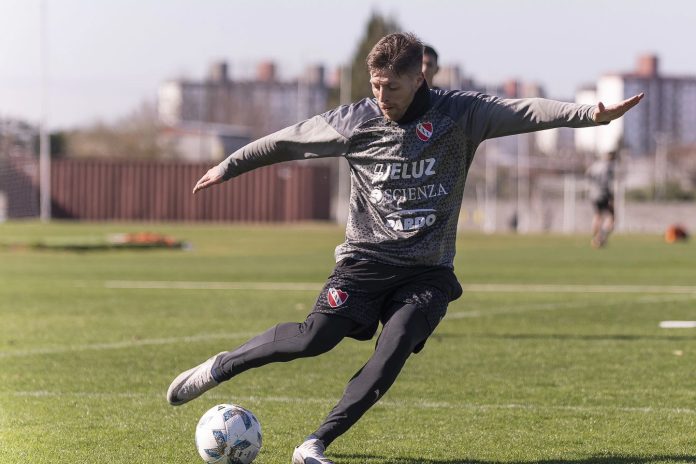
(377, 27)
(134, 136)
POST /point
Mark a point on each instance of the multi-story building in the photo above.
(263, 105)
(450, 77)
(667, 114)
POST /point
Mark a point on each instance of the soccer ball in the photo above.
(228, 434)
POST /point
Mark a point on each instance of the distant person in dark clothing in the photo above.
(601, 177)
(430, 66)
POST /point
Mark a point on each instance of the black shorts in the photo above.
(363, 291)
(604, 204)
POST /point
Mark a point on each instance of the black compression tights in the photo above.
(285, 342)
(406, 326)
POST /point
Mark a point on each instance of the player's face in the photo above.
(430, 68)
(394, 93)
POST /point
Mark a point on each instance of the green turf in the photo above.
(508, 377)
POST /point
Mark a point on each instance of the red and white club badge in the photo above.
(336, 297)
(424, 130)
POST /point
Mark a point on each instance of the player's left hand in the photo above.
(212, 177)
(609, 113)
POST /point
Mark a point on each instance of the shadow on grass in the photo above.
(374, 459)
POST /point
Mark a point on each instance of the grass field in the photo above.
(553, 354)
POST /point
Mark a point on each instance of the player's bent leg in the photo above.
(608, 225)
(284, 342)
(596, 241)
(406, 328)
(318, 334)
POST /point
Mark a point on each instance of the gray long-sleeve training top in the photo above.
(407, 177)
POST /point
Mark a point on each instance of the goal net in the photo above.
(19, 192)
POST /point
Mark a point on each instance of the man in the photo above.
(430, 65)
(601, 177)
(409, 149)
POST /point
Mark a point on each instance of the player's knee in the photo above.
(398, 340)
(316, 339)
(315, 345)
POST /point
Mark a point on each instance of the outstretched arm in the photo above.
(606, 114)
(313, 138)
(489, 117)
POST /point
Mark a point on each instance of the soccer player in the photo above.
(409, 149)
(430, 65)
(601, 176)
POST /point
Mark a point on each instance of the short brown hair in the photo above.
(400, 53)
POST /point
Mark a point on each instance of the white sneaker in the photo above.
(192, 383)
(310, 452)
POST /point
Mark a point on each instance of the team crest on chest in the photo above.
(424, 130)
(336, 297)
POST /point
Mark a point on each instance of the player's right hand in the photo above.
(212, 177)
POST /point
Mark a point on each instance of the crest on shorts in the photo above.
(336, 297)
(424, 130)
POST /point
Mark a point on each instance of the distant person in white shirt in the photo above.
(601, 178)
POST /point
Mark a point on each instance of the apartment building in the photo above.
(667, 114)
(263, 104)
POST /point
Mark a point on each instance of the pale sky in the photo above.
(106, 57)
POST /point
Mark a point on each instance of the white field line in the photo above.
(474, 288)
(401, 404)
(124, 344)
(451, 315)
(571, 288)
(678, 324)
(559, 306)
(181, 285)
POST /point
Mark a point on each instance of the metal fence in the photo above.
(299, 191)
(161, 191)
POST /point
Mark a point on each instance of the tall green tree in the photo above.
(377, 27)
